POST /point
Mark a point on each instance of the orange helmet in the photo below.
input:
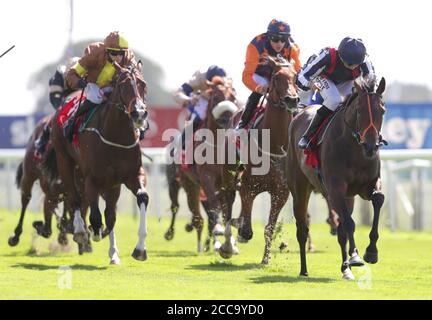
(115, 41)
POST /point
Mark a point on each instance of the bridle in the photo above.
(283, 102)
(121, 106)
(360, 137)
(118, 81)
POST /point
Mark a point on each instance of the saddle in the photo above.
(316, 140)
(68, 110)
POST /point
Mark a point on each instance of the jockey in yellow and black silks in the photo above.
(95, 70)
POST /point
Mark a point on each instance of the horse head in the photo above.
(129, 93)
(282, 89)
(222, 101)
(367, 112)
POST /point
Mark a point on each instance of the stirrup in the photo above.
(304, 143)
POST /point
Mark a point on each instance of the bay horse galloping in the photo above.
(205, 176)
(108, 155)
(349, 165)
(281, 103)
(29, 171)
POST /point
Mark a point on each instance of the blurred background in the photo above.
(175, 38)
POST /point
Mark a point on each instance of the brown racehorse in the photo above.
(28, 172)
(206, 175)
(108, 156)
(281, 103)
(350, 165)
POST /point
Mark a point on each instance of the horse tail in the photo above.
(49, 165)
(19, 174)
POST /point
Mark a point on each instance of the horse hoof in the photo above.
(13, 241)
(189, 227)
(265, 261)
(312, 249)
(87, 248)
(115, 260)
(333, 231)
(371, 257)
(241, 239)
(96, 237)
(347, 274)
(80, 237)
(225, 254)
(140, 255)
(304, 274)
(39, 226)
(62, 240)
(169, 235)
(356, 261)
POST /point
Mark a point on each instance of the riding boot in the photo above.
(41, 143)
(195, 123)
(251, 104)
(86, 106)
(319, 117)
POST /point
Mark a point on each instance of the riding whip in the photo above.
(7, 51)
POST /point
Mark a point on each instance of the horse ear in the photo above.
(139, 65)
(381, 86)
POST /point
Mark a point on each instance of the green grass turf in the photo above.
(175, 271)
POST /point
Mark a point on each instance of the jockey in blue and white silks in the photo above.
(332, 72)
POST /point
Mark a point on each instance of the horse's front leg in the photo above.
(355, 260)
(92, 197)
(377, 198)
(137, 186)
(111, 197)
(247, 195)
(343, 208)
(44, 229)
(278, 200)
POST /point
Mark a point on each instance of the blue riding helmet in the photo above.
(214, 71)
(278, 27)
(352, 51)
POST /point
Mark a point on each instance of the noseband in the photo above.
(361, 137)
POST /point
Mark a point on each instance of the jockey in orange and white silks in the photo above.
(95, 70)
(332, 72)
(191, 95)
(277, 41)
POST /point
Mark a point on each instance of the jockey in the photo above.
(58, 90)
(332, 72)
(189, 95)
(94, 72)
(277, 41)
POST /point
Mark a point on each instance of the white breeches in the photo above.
(333, 95)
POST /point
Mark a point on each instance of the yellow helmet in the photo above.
(115, 41)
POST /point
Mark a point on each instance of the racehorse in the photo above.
(204, 177)
(349, 165)
(28, 172)
(281, 103)
(108, 155)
